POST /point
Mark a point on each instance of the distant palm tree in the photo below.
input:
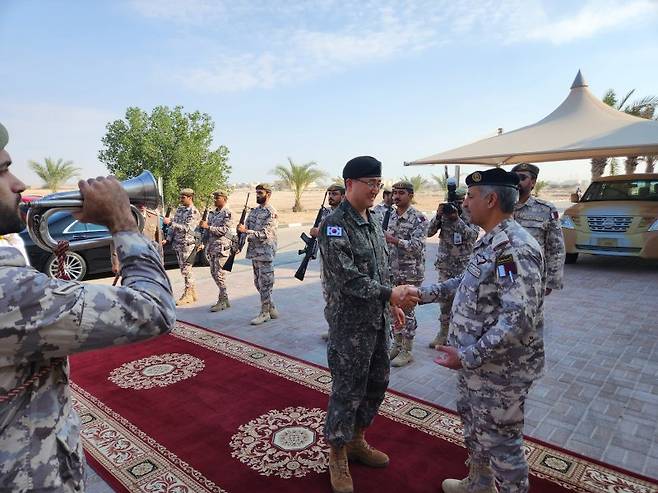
(298, 177)
(539, 187)
(54, 173)
(418, 183)
(441, 181)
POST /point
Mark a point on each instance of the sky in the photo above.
(319, 81)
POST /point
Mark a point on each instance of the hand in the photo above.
(115, 269)
(164, 242)
(166, 220)
(398, 318)
(448, 357)
(405, 297)
(391, 239)
(201, 247)
(314, 232)
(203, 224)
(548, 291)
(241, 228)
(104, 201)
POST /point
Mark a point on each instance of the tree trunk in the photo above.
(298, 205)
(598, 166)
(651, 161)
(631, 164)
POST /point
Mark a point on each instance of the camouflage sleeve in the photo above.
(434, 226)
(555, 252)
(416, 244)
(54, 318)
(268, 231)
(468, 231)
(519, 291)
(344, 275)
(442, 291)
(225, 228)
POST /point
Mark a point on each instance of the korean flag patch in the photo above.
(334, 231)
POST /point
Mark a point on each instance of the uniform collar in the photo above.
(528, 203)
(494, 235)
(351, 211)
(406, 214)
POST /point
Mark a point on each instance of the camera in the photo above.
(449, 208)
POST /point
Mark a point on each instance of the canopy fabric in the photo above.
(582, 127)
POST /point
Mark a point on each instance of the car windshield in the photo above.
(622, 190)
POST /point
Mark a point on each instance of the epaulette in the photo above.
(501, 239)
(545, 203)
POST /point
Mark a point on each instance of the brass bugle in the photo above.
(142, 189)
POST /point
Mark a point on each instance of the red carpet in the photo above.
(198, 411)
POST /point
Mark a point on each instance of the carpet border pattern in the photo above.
(133, 451)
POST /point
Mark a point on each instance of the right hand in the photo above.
(166, 220)
(104, 201)
(314, 232)
(406, 296)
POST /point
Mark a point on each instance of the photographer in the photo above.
(43, 320)
(457, 236)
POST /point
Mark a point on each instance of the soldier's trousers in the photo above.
(182, 252)
(360, 371)
(218, 274)
(492, 416)
(410, 322)
(263, 279)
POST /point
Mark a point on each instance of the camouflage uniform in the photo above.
(496, 327)
(43, 321)
(325, 212)
(379, 211)
(407, 259)
(456, 240)
(181, 233)
(541, 219)
(221, 232)
(261, 224)
(358, 285)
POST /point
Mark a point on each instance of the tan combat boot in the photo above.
(226, 302)
(263, 316)
(396, 347)
(274, 313)
(441, 337)
(360, 451)
(404, 357)
(480, 480)
(339, 471)
(186, 298)
(193, 293)
(222, 304)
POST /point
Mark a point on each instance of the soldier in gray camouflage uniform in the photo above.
(405, 238)
(385, 205)
(495, 335)
(542, 221)
(457, 236)
(44, 320)
(260, 226)
(358, 285)
(221, 232)
(181, 233)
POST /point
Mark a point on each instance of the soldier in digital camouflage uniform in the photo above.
(405, 238)
(357, 281)
(221, 232)
(44, 320)
(385, 205)
(181, 234)
(542, 221)
(457, 236)
(261, 227)
(495, 335)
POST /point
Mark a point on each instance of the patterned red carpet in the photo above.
(199, 411)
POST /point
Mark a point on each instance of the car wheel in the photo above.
(75, 268)
(571, 258)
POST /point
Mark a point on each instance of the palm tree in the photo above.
(441, 181)
(298, 177)
(54, 173)
(418, 183)
(539, 187)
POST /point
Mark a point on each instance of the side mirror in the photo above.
(574, 198)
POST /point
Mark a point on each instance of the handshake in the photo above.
(403, 298)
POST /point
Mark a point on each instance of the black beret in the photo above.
(495, 176)
(336, 188)
(530, 168)
(362, 167)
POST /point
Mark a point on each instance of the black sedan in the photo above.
(94, 260)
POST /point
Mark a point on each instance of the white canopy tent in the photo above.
(582, 127)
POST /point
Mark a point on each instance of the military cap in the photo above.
(406, 185)
(220, 193)
(495, 176)
(264, 186)
(362, 167)
(4, 136)
(387, 189)
(187, 192)
(336, 188)
(530, 168)
(461, 192)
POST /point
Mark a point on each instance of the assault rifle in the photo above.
(387, 218)
(242, 238)
(165, 227)
(310, 250)
(200, 236)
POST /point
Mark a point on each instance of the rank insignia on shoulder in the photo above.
(506, 266)
(555, 214)
(334, 231)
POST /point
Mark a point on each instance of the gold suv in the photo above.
(617, 215)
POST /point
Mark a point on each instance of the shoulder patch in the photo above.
(506, 267)
(334, 231)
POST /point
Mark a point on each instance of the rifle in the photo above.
(242, 238)
(165, 227)
(199, 236)
(311, 249)
(387, 218)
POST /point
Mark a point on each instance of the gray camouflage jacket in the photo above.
(221, 231)
(407, 258)
(182, 227)
(496, 319)
(42, 321)
(355, 270)
(261, 224)
(457, 239)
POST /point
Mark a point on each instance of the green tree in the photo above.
(441, 181)
(298, 177)
(418, 182)
(54, 173)
(173, 145)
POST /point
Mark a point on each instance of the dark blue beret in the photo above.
(494, 176)
(362, 167)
